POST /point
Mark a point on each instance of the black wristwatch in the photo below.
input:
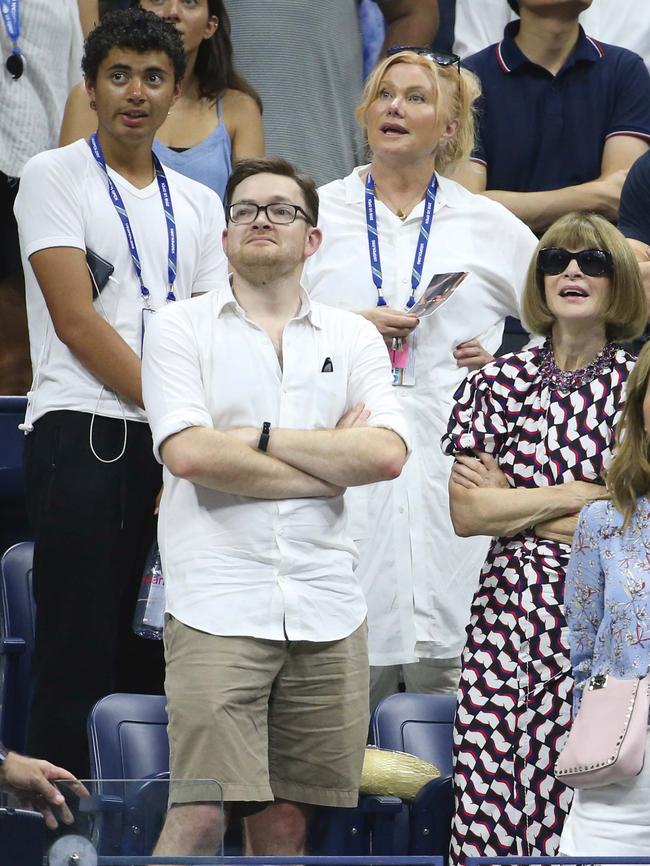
(3, 754)
(263, 444)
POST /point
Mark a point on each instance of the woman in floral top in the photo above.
(531, 433)
(608, 613)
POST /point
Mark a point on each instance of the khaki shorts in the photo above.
(267, 719)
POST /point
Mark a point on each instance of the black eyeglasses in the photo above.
(442, 58)
(592, 263)
(278, 212)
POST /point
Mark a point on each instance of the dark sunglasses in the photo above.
(592, 263)
(442, 58)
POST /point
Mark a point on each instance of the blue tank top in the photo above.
(208, 161)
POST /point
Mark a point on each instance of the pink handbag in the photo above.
(606, 743)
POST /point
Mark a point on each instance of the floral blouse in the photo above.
(607, 594)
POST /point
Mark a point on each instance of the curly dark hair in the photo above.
(132, 29)
(215, 70)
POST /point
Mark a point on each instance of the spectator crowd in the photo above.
(355, 355)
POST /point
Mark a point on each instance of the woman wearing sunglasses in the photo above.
(218, 117)
(396, 232)
(531, 434)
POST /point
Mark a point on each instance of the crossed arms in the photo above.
(297, 463)
(483, 503)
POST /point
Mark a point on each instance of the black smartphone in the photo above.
(100, 269)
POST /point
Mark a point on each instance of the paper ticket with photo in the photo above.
(439, 290)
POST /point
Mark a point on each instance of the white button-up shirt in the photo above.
(234, 565)
(419, 577)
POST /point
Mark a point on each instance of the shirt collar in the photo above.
(224, 298)
(355, 191)
(511, 57)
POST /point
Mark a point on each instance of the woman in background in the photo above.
(608, 613)
(218, 116)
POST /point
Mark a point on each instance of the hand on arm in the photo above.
(539, 209)
(30, 781)
(481, 505)
(64, 280)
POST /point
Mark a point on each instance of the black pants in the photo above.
(93, 523)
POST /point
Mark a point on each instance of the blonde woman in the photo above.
(531, 434)
(608, 613)
(388, 228)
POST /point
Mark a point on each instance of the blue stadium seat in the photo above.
(16, 642)
(128, 740)
(422, 725)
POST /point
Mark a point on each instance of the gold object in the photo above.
(398, 774)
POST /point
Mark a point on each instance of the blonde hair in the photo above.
(460, 98)
(628, 477)
(626, 313)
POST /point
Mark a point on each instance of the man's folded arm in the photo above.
(216, 460)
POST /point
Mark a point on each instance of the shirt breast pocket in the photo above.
(328, 389)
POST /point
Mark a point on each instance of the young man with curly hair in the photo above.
(107, 237)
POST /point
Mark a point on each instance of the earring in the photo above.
(93, 104)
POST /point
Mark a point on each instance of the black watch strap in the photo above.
(263, 444)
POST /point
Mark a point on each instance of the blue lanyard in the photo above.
(11, 17)
(172, 247)
(420, 250)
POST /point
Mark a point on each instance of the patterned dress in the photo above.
(544, 426)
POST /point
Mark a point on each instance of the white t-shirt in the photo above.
(411, 562)
(480, 23)
(64, 201)
(234, 565)
(31, 108)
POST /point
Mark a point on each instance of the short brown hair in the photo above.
(626, 313)
(463, 93)
(246, 168)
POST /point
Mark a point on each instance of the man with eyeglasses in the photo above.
(264, 407)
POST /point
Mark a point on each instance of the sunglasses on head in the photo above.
(592, 263)
(442, 58)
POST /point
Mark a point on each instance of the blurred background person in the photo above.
(418, 577)
(562, 117)
(625, 23)
(607, 609)
(531, 434)
(40, 45)
(218, 117)
(306, 61)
